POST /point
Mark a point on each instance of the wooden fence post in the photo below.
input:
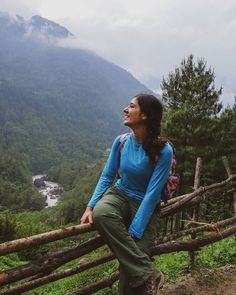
(194, 215)
(229, 173)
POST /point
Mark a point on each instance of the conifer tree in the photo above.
(227, 134)
(192, 103)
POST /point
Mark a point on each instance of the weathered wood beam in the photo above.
(50, 263)
(194, 216)
(198, 229)
(107, 282)
(177, 199)
(157, 250)
(93, 288)
(201, 198)
(198, 195)
(174, 200)
(229, 173)
(192, 244)
(36, 240)
(24, 287)
(60, 275)
(226, 165)
(197, 176)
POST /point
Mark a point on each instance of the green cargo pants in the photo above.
(112, 216)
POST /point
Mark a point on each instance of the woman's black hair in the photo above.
(153, 109)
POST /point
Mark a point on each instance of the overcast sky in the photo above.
(148, 38)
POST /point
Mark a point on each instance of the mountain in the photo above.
(56, 104)
(38, 26)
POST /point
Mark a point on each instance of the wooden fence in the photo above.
(42, 271)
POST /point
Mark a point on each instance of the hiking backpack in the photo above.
(173, 180)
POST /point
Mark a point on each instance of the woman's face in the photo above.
(133, 115)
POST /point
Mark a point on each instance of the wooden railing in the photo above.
(41, 271)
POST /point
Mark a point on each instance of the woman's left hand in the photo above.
(87, 217)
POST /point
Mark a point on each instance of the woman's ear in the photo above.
(144, 117)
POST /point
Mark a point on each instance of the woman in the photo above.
(125, 214)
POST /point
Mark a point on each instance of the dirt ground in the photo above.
(204, 282)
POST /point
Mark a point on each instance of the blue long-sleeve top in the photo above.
(139, 180)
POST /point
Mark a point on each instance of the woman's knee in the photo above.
(99, 213)
(106, 214)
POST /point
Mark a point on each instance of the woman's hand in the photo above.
(87, 217)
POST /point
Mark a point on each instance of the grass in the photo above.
(10, 261)
(215, 255)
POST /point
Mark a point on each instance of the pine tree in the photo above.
(227, 134)
(192, 103)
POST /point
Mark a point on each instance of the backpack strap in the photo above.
(122, 141)
(174, 160)
(173, 179)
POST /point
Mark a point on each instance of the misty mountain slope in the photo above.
(56, 103)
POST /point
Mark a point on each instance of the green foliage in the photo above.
(218, 208)
(59, 110)
(9, 227)
(16, 189)
(26, 223)
(192, 103)
(198, 127)
(191, 90)
(58, 104)
(79, 280)
(217, 254)
(172, 265)
(73, 202)
(10, 261)
(69, 172)
(226, 134)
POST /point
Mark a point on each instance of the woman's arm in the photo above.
(108, 174)
(153, 193)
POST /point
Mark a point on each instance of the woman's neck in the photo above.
(139, 134)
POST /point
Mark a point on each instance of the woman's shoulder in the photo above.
(167, 149)
(121, 139)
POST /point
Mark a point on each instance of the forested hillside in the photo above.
(60, 108)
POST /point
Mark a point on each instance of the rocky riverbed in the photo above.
(50, 190)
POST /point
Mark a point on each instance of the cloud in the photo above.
(25, 8)
(150, 38)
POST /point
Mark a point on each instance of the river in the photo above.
(50, 190)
